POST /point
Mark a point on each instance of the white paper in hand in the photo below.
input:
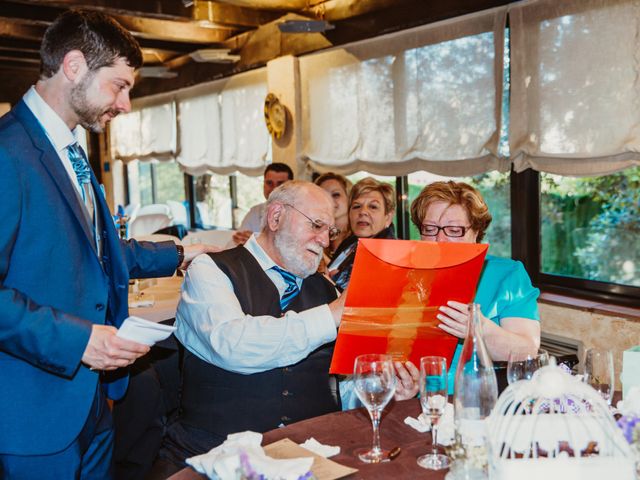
(143, 331)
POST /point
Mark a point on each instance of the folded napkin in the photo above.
(318, 448)
(143, 331)
(241, 456)
(446, 427)
(142, 302)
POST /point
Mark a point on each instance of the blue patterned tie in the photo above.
(292, 287)
(80, 166)
(83, 173)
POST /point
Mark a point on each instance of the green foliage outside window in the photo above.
(591, 227)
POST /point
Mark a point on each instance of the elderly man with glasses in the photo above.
(258, 325)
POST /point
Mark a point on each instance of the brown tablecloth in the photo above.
(352, 430)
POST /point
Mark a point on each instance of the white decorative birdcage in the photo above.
(555, 426)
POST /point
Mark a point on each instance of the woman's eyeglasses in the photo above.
(452, 231)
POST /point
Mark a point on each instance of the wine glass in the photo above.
(433, 398)
(598, 371)
(375, 384)
(522, 364)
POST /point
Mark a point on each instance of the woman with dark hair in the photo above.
(371, 208)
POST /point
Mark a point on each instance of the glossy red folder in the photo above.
(394, 293)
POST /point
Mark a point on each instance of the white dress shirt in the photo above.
(211, 324)
(57, 131)
(252, 221)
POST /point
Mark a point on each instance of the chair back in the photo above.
(219, 238)
(155, 208)
(145, 224)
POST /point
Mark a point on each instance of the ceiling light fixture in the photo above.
(214, 55)
(159, 71)
(305, 26)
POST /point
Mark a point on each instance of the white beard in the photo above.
(295, 261)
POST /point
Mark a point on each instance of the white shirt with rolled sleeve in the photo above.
(211, 324)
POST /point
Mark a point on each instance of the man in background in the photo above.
(274, 175)
(63, 271)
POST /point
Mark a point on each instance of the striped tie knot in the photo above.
(291, 290)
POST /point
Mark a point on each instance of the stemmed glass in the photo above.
(433, 398)
(375, 384)
(598, 371)
(522, 364)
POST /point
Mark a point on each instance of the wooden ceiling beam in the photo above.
(169, 10)
(9, 27)
(19, 45)
(223, 14)
(173, 31)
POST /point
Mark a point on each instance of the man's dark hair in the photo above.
(100, 38)
(280, 168)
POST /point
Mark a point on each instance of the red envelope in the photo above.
(393, 297)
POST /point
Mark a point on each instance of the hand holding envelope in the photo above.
(394, 294)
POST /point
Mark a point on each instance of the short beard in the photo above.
(287, 246)
(88, 114)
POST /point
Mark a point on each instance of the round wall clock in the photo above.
(275, 116)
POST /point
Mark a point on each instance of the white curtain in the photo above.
(223, 131)
(145, 134)
(200, 133)
(575, 104)
(423, 99)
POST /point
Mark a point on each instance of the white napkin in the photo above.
(242, 453)
(631, 403)
(318, 448)
(446, 427)
(143, 331)
(147, 301)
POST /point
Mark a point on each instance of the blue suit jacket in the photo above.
(52, 289)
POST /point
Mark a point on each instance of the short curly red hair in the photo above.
(454, 193)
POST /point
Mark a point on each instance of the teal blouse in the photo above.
(504, 291)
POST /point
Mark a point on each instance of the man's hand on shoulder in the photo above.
(192, 251)
(241, 237)
(105, 351)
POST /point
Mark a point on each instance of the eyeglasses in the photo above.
(453, 231)
(318, 226)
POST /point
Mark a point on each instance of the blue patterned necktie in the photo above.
(83, 173)
(292, 287)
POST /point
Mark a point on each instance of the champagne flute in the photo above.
(522, 364)
(433, 398)
(598, 371)
(375, 384)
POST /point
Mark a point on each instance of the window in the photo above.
(249, 193)
(169, 182)
(590, 227)
(213, 200)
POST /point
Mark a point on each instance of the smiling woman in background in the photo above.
(339, 188)
(371, 208)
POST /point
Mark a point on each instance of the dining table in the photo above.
(351, 430)
(157, 298)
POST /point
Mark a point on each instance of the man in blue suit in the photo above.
(63, 272)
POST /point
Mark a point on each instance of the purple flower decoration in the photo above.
(628, 425)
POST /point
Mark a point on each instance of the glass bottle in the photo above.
(476, 393)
